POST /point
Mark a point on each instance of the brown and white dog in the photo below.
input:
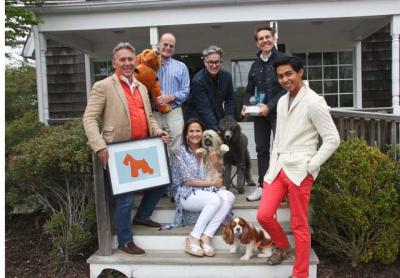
(239, 231)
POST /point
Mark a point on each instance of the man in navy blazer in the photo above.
(211, 91)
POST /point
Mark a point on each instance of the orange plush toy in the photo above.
(147, 64)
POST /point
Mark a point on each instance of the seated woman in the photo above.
(194, 193)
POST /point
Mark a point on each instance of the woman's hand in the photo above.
(217, 182)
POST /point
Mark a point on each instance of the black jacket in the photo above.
(262, 77)
(210, 100)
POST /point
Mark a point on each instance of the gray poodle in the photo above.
(238, 155)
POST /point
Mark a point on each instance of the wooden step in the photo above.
(176, 264)
(173, 239)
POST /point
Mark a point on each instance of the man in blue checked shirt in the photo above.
(175, 81)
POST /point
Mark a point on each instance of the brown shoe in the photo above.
(146, 223)
(278, 256)
(132, 249)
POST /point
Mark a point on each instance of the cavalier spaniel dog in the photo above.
(238, 231)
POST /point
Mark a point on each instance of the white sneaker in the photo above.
(255, 195)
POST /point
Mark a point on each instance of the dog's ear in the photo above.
(228, 234)
(248, 234)
(237, 133)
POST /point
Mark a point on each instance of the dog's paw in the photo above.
(262, 255)
(245, 258)
(201, 151)
(233, 250)
(224, 148)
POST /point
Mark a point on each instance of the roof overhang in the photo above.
(94, 15)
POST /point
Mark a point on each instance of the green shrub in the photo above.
(17, 131)
(356, 204)
(55, 169)
(22, 129)
(20, 91)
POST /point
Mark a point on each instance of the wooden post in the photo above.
(104, 232)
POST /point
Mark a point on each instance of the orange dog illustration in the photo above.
(137, 165)
(147, 64)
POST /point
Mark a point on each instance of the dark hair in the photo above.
(186, 128)
(294, 61)
(264, 28)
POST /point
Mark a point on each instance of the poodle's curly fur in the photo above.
(238, 154)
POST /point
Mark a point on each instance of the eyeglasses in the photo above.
(213, 63)
(166, 45)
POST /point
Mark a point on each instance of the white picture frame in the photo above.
(138, 165)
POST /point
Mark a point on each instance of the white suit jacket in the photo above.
(296, 140)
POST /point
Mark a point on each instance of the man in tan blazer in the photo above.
(302, 116)
(123, 106)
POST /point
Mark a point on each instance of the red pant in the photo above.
(299, 200)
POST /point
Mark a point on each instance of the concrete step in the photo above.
(177, 264)
(174, 239)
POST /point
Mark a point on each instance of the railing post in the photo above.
(104, 232)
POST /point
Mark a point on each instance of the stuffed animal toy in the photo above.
(147, 64)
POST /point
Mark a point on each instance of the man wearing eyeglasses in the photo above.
(174, 81)
(211, 91)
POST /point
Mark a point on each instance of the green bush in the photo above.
(17, 131)
(356, 204)
(54, 168)
(22, 129)
(20, 91)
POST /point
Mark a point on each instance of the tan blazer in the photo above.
(108, 104)
(296, 140)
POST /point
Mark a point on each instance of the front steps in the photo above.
(173, 264)
(165, 256)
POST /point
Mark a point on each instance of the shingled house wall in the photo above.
(66, 82)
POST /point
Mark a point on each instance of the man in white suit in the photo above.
(302, 116)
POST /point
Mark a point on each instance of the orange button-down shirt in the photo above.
(139, 127)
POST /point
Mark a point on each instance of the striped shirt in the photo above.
(174, 80)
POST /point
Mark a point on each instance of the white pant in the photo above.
(214, 208)
(171, 122)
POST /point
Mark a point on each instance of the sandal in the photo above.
(193, 249)
(278, 255)
(208, 249)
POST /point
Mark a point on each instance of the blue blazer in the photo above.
(211, 99)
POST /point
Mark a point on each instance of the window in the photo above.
(102, 69)
(331, 74)
(240, 72)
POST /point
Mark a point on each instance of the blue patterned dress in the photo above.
(186, 166)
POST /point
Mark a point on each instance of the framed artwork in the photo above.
(138, 165)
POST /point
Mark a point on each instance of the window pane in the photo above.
(316, 86)
(330, 58)
(330, 72)
(332, 100)
(240, 72)
(346, 71)
(346, 100)
(330, 87)
(314, 73)
(346, 57)
(314, 59)
(100, 68)
(346, 86)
